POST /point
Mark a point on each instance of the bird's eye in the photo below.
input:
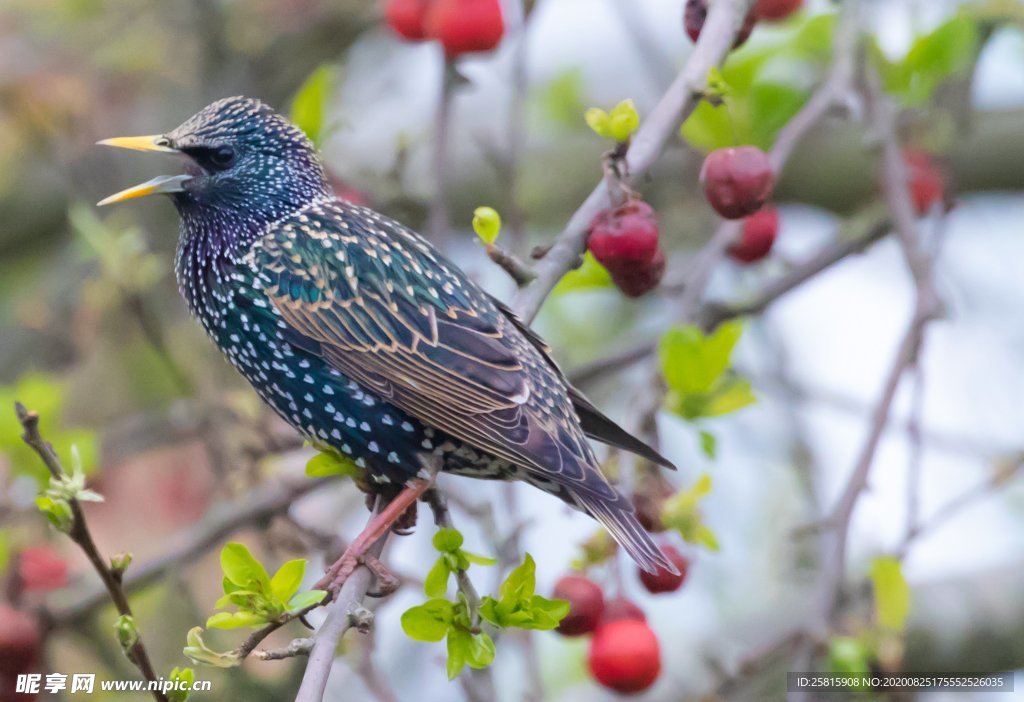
(222, 156)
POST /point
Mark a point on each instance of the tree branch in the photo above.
(79, 533)
(716, 40)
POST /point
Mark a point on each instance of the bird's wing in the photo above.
(593, 421)
(392, 314)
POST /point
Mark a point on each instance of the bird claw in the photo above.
(340, 571)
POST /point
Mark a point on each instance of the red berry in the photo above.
(406, 18)
(697, 11)
(619, 608)
(625, 655)
(759, 232)
(737, 181)
(586, 604)
(463, 26)
(625, 235)
(776, 9)
(927, 182)
(635, 279)
(41, 569)
(664, 581)
(21, 639)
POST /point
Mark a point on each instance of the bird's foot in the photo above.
(340, 571)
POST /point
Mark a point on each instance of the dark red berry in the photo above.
(696, 13)
(625, 235)
(664, 581)
(41, 569)
(636, 279)
(586, 604)
(776, 9)
(758, 236)
(926, 180)
(406, 18)
(737, 180)
(620, 608)
(464, 26)
(625, 656)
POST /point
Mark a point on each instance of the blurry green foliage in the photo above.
(127, 265)
(760, 88)
(449, 543)
(330, 462)
(561, 101)
(259, 597)
(933, 58)
(309, 107)
(696, 370)
(185, 676)
(892, 593)
(45, 395)
(681, 512)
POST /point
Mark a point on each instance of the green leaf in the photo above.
(708, 444)
(892, 594)
(197, 650)
(183, 678)
(486, 224)
(848, 656)
(304, 600)
(447, 540)
(330, 463)
(429, 621)
(735, 394)
(310, 104)
(242, 569)
(623, 120)
(589, 276)
(57, 511)
(478, 559)
(599, 121)
(460, 642)
(562, 98)
(436, 582)
(521, 582)
(235, 620)
(287, 579)
(692, 362)
(126, 631)
(481, 650)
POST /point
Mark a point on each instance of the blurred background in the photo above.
(94, 336)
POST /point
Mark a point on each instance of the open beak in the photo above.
(160, 184)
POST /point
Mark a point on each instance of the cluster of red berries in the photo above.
(625, 241)
(737, 182)
(767, 10)
(625, 655)
(461, 26)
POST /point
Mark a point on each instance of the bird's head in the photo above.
(243, 160)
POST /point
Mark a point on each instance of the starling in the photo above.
(363, 337)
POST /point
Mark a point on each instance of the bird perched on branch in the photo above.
(366, 339)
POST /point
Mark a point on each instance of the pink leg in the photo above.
(379, 525)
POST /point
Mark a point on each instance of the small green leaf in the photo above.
(892, 594)
(447, 540)
(57, 511)
(521, 582)
(287, 579)
(708, 444)
(183, 678)
(481, 650)
(459, 644)
(235, 620)
(623, 121)
(486, 224)
(478, 559)
(429, 621)
(197, 650)
(242, 569)
(304, 600)
(329, 463)
(599, 121)
(436, 582)
(126, 631)
(848, 656)
(735, 394)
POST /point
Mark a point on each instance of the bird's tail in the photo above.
(618, 516)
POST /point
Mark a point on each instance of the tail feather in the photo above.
(619, 518)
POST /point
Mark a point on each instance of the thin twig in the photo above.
(79, 533)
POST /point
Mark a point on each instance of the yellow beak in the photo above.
(160, 184)
(153, 142)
